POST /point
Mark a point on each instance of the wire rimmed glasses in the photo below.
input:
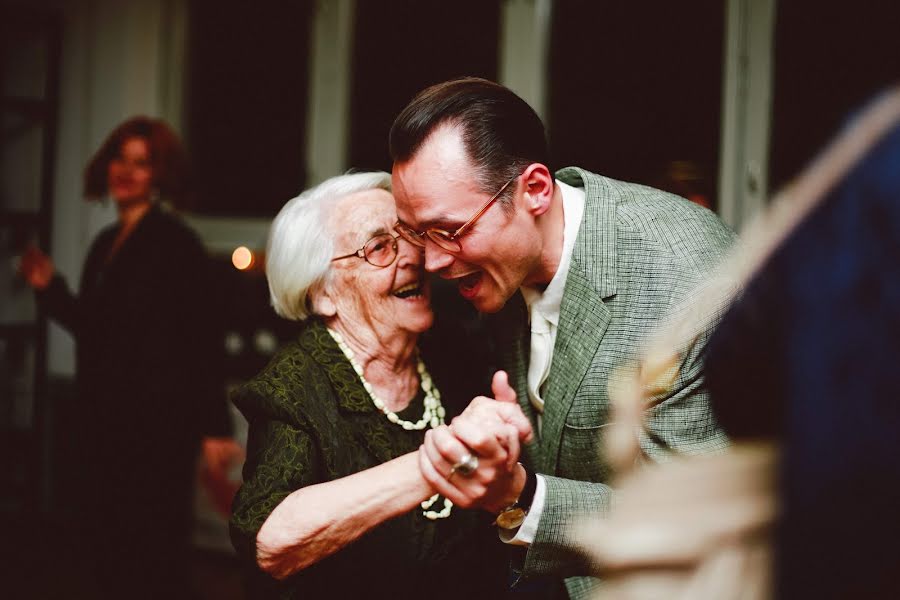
(380, 251)
(443, 238)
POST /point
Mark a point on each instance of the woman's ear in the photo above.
(538, 184)
(320, 301)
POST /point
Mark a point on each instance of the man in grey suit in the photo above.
(578, 268)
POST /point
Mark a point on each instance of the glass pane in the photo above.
(246, 105)
(18, 306)
(20, 163)
(405, 46)
(635, 91)
(828, 61)
(24, 55)
(17, 355)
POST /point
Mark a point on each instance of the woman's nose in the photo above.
(408, 253)
(123, 166)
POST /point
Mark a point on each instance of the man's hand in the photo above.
(492, 430)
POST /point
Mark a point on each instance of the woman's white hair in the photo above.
(300, 245)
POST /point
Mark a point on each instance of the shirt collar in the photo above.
(548, 302)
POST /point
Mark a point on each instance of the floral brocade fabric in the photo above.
(311, 421)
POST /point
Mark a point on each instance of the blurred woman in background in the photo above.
(148, 386)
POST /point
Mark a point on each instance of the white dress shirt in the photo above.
(543, 313)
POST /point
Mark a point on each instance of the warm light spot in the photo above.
(241, 258)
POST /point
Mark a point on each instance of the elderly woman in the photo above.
(333, 503)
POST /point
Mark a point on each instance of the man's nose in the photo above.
(436, 258)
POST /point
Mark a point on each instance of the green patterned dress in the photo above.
(311, 421)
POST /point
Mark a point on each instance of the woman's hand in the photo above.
(491, 429)
(36, 268)
(220, 454)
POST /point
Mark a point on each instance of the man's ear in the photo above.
(538, 183)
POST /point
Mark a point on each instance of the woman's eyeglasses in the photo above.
(379, 251)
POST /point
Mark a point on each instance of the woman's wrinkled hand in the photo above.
(490, 428)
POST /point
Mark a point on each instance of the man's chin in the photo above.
(480, 292)
(487, 303)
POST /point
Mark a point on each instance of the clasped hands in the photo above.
(491, 429)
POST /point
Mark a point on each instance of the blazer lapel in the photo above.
(582, 322)
(583, 315)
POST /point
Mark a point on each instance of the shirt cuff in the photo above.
(524, 535)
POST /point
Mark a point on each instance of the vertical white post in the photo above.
(328, 113)
(173, 54)
(524, 49)
(746, 109)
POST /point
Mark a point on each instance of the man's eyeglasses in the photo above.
(445, 239)
(379, 251)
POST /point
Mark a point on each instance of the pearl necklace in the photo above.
(433, 415)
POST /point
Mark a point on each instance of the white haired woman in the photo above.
(333, 502)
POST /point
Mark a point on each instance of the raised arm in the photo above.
(51, 290)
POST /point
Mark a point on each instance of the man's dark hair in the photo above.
(502, 134)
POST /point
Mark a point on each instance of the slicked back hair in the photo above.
(501, 133)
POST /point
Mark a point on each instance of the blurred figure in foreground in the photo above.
(803, 376)
(333, 503)
(146, 376)
(809, 356)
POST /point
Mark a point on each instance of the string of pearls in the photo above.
(433, 415)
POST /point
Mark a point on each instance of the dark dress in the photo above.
(311, 421)
(147, 391)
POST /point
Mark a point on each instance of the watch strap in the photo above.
(514, 515)
(527, 495)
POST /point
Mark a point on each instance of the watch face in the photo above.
(511, 518)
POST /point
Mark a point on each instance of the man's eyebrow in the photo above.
(440, 222)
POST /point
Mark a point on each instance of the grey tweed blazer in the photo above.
(638, 253)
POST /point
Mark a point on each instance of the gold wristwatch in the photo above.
(514, 515)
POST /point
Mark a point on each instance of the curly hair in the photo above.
(168, 160)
